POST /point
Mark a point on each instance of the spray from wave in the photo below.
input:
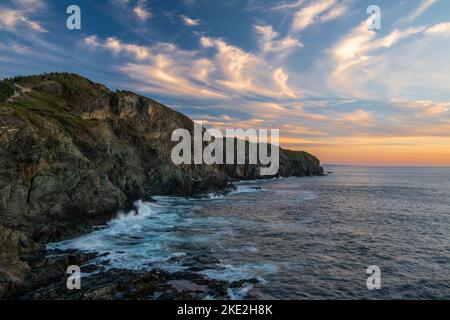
(158, 235)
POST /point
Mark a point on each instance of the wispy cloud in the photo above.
(29, 5)
(423, 6)
(163, 77)
(424, 107)
(131, 10)
(441, 29)
(12, 19)
(202, 69)
(162, 68)
(246, 73)
(231, 71)
(288, 5)
(271, 42)
(16, 47)
(115, 45)
(359, 117)
(189, 21)
(141, 11)
(357, 52)
(318, 11)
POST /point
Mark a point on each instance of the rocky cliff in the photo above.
(72, 152)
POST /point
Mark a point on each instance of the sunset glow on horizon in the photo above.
(428, 151)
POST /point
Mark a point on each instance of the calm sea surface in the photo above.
(303, 238)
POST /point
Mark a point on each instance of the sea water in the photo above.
(302, 238)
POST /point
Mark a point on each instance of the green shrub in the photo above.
(6, 89)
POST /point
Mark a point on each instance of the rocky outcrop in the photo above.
(12, 269)
(48, 280)
(72, 153)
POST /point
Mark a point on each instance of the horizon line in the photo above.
(385, 165)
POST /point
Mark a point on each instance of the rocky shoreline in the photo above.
(73, 153)
(47, 280)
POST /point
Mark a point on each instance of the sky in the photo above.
(347, 93)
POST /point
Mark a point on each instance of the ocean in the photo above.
(301, 237)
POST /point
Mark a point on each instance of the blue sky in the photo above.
(311, 68)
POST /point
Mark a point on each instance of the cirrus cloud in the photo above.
(12, 19)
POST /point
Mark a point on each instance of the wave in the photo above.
(154, 234)
(212, 195)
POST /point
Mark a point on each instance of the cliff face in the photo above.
(72, 152)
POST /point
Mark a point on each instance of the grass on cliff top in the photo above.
(38, 107)
(7, 86)
(73, 85)
(70, 79)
